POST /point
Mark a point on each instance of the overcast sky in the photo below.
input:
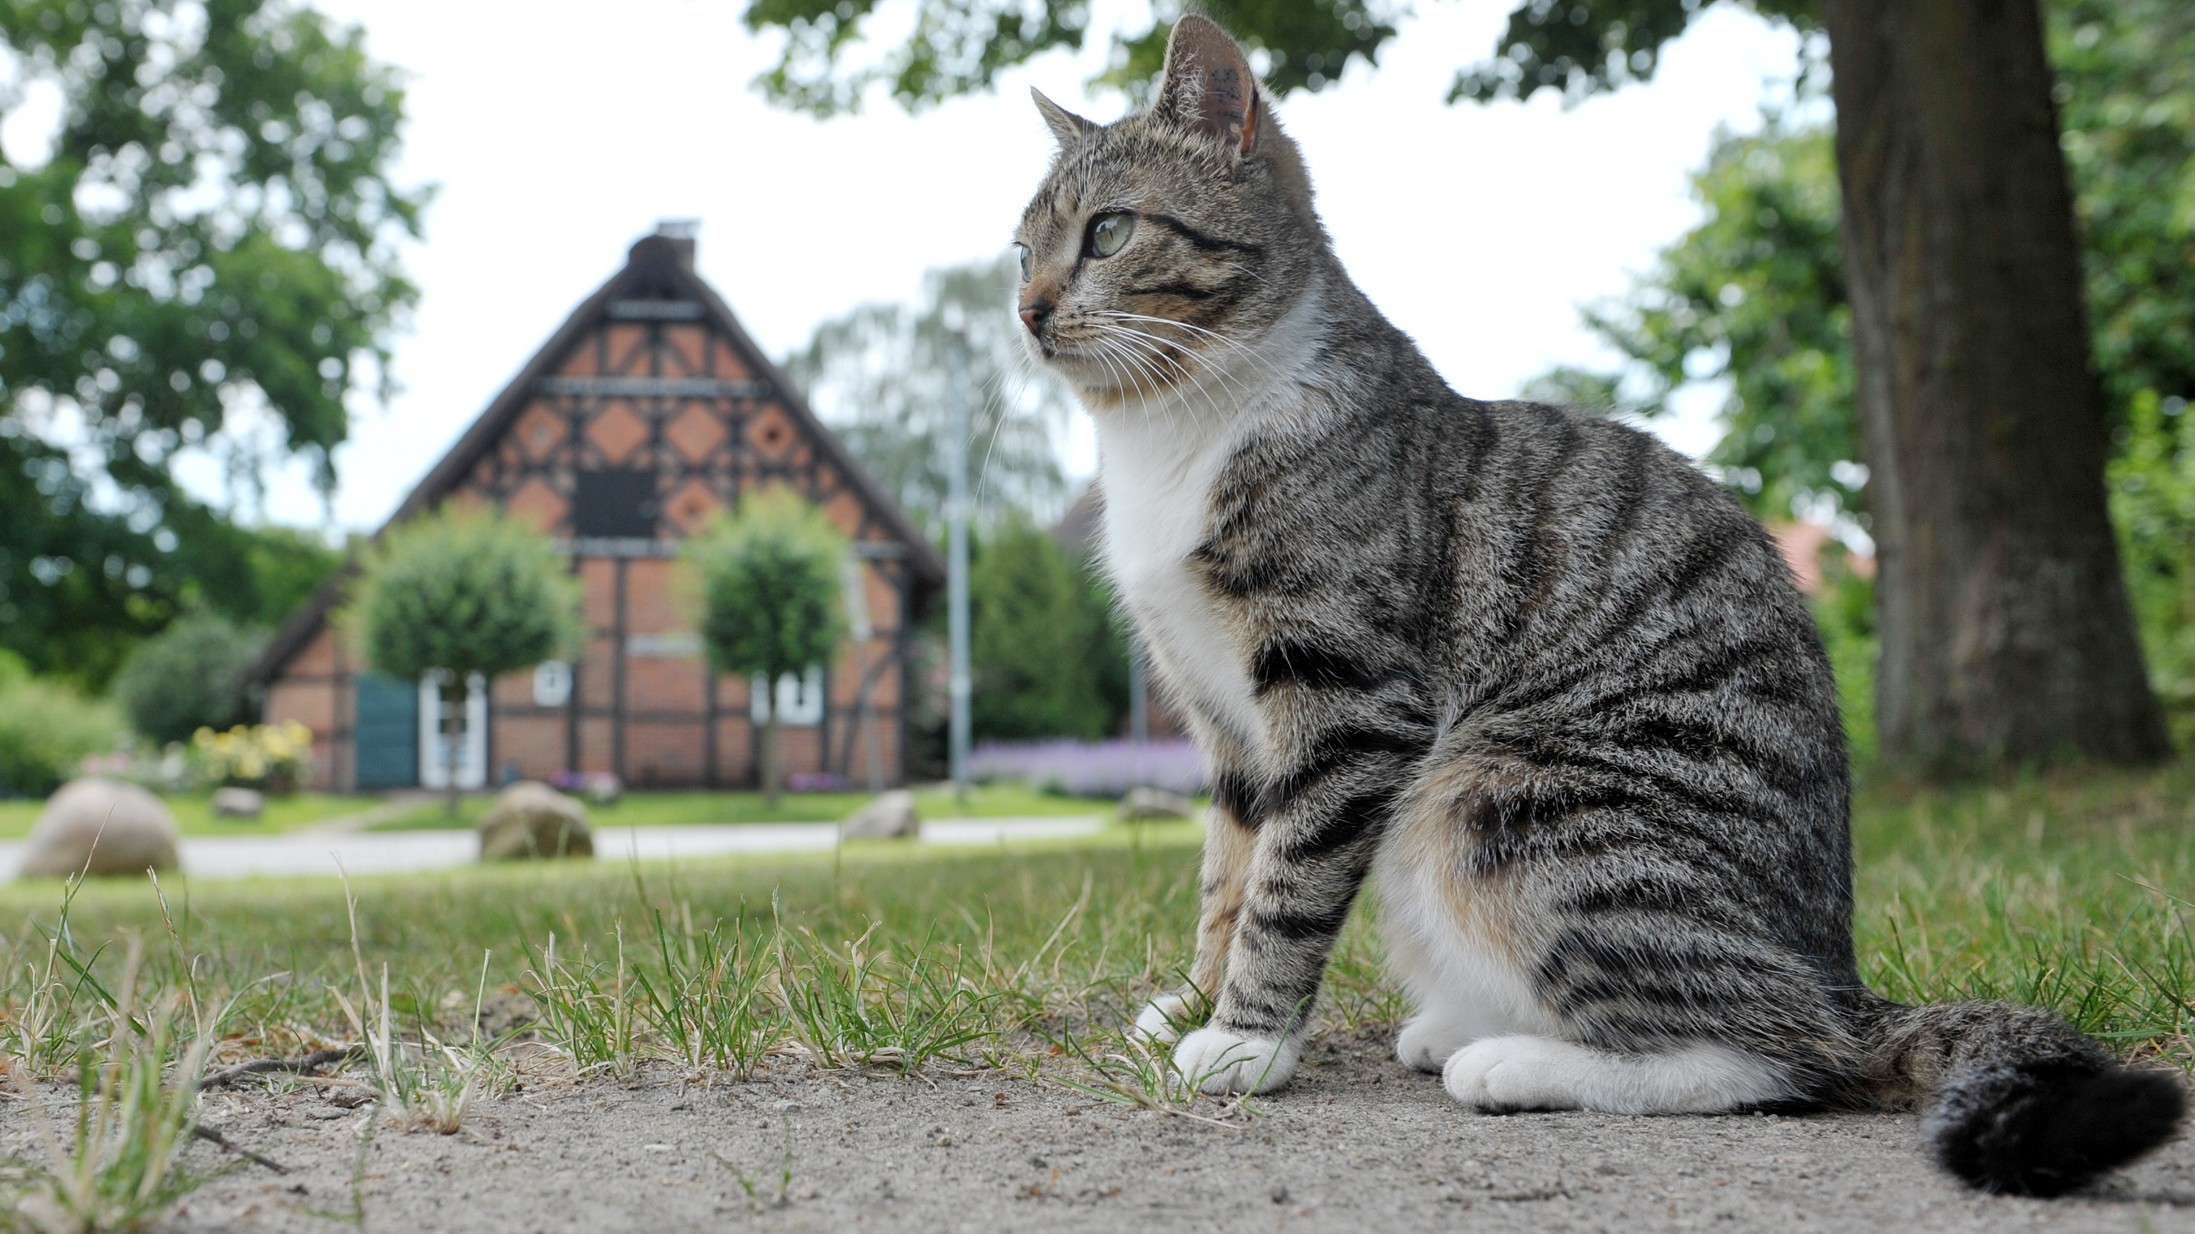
(558, 133)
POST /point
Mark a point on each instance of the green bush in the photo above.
(1047, 659)
(46, 730)
(2153, 502)
(187, 677)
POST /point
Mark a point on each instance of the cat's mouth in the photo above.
(1107, 371)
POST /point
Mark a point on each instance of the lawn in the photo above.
(672, 809)
(194, 811)
(194, 814)
(2064, 890)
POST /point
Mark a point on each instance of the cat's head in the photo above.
(1170, 242)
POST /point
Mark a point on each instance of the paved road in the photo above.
(396, 852)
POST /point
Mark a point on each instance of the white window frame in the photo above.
(799, 699)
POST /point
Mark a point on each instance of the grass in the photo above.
(194, 811)
(194, 814)
(2065, 890)
(674, 809)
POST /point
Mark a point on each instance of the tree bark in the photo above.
(770, 777)
(453, 730)
(2006, 631)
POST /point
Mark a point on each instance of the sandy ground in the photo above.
(1356, 1143)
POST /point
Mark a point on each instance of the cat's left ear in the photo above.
(1208, 85)
(1065, 125)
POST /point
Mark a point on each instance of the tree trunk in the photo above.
(770, 777)
(2006, 632)
(453, 733)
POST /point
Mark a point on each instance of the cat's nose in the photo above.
(1035, 313)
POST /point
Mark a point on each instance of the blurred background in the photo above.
(263, 267)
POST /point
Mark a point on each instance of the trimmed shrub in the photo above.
(188, 677)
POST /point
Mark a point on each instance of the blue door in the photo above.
(387, 734)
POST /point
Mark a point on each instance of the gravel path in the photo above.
(1355, 1144)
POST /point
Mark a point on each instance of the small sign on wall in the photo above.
(552, 683)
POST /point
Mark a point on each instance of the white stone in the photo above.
(238, 803)
(890, 817)
(1144, 805)
(100, 827)
(530, 819)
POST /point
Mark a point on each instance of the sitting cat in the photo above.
(1531, 671)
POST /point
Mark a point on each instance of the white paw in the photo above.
(1217, 1061)
(1164, 1019)
(1426, 1043)
(1512, 1073)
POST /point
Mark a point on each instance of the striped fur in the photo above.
(1531, 671)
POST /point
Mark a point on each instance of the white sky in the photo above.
(561, 132)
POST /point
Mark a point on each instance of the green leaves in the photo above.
(465, 593)
(1048, 661)
(961, 46)
(770, 589)
(211, 228)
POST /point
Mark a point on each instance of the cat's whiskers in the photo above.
(1233, 383)
(1227, 343)
(1195, 375)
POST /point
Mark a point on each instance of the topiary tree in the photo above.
(187, 677)
(455, 594)
(770, 599)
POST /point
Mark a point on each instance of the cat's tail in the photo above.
(2017, 1101)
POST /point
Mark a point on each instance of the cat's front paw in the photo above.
(1164, 1019)
(1214, 1060)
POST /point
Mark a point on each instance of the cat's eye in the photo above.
(1109, 231)
(1023, 251)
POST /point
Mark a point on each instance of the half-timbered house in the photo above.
(646, 413)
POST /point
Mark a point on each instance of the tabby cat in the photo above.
(1529, 670)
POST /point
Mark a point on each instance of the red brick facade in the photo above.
(653, 384)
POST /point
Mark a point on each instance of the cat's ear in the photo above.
(1065, 125)
(1208, 85)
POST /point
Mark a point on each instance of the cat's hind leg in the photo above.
(1451, 941)
(1501, 1074)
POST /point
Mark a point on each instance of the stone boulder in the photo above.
(1150, 805)
(100, 827)
(238, 803)
(891, 816)
(530, 819)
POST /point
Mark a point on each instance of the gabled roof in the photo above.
(658, 267)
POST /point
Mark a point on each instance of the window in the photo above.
(615, 503)
(799, 699)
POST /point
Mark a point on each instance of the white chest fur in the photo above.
(1159, 459)
(1158, 473)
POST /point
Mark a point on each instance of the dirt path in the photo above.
(1354, 1144)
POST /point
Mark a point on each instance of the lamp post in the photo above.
(956, 554)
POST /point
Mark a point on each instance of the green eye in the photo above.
(1109, 231)
(1023, 249)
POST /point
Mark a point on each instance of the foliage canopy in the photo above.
(1047, 659)
(463, 593)
(882, 375)
(770, 589)
(187, 677)
(199, 255)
